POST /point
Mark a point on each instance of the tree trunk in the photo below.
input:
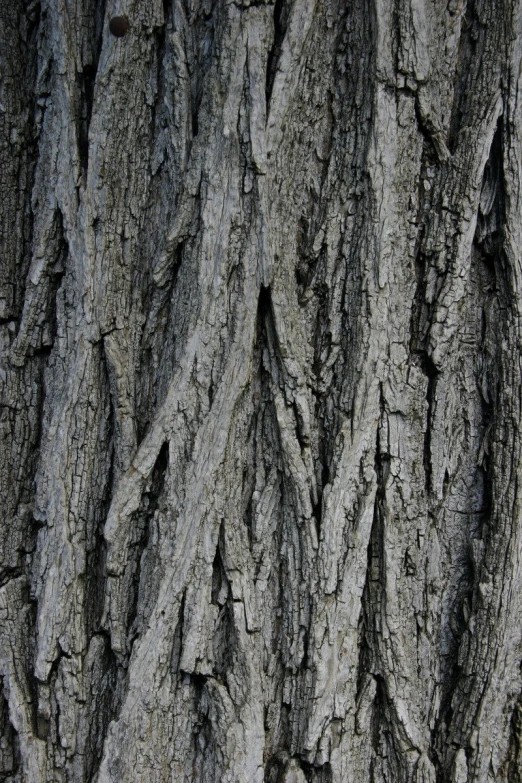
(261, 324)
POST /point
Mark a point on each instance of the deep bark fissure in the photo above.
(10, 757)
(280, 17)
(86, 78)
(150, 506)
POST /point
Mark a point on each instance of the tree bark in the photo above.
(261, 388)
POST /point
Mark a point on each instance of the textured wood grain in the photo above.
(261, 388)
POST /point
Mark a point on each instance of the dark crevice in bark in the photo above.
(142, 559)
(199, 58)
(396, 38)
(226, 654)
(86, 81)
(95, 577)
(264, 337)
(385, 724)
(317, 512)
(419, 314)
(369, 627)
(260, 393)
(220, 585)
(21, 506)
(266, 318)
(281, 13)
(8, 573)
(96, 547)
(156, 122)
(466, 600)
(352, 107)
(376, 541)
(299, 427)
(107, 687)
(19, 511)
(281, 768)
(317, 774)
(487, 254)
(302, 269)
(274, 770)
(225, 642)
(454, 638)
(43, 351)
(15, 269)
(385, 762)
(266, 446)
(290, 636)
(57, 275)
(264, 307)
(430, 371)
(515, 744)
(310, 266)
(47, 722)
(160, 333)
(419, 330)
(194, 121)
(29, 640)
(284, 637)
(27, 491)
(32, 14)
(465, 71)
(42, 330)
(248, 516)
(322, 466)
(492, 207)
(207, 756)
(9, 744)
(177, 643)
(366, 620)
(204, 745)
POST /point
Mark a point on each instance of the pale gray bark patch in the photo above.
(260, 382)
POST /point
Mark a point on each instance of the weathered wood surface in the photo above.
(261, 388)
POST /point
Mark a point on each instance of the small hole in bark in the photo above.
(119, 26)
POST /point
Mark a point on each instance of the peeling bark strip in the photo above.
(260, 319)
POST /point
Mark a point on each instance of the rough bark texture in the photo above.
(261, 389)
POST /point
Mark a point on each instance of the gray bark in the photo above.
(261, 391)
